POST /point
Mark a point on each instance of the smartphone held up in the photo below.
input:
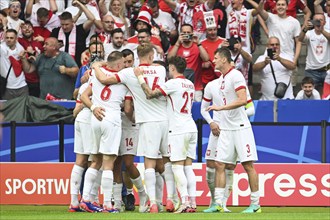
(270, 53)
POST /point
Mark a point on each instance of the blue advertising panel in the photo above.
(303, 110)
(275, 144)
(264, 111)
(38, 144)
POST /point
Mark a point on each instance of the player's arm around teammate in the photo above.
(104, 79)
(138, 71)
(96, 110)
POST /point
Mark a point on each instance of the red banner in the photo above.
(279, 184)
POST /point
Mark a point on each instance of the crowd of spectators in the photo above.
(48, 45)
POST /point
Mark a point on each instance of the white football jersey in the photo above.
(212, 94)
(146, 110)
(85, 114)
(180, 95)
(236, 118)
(109, 97)
(125, 122)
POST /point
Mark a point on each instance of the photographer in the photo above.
(33, 48)
(239, 55)
(318, 49)
(189, 47)
(96, 53)
(279, 63)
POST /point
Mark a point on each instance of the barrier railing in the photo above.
(199, 122)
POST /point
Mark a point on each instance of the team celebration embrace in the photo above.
(125, 111)
(136, 68)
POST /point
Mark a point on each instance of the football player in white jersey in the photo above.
(182, 128)
(236, 139)
(82, 147)
(152, 118)
(128, 148)
(106, 130)
(211, 94)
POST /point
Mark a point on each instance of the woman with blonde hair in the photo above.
(117, 11)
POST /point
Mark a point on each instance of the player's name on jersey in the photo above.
(149, 71)
(190, 86)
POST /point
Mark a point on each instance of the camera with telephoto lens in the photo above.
(31, 54)
(94, 58)
(188, 36)
(316, 23)
(232, 41)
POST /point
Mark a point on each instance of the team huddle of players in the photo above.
(159, 127)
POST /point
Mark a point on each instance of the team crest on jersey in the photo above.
(186, 53)
(222, 87)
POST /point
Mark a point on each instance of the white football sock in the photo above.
(255, 196)
(229, 186)
(138, 184)
(107, 184)
(90, 177)
(75, 182)
(159, 187)
(117, 188)
(169, 179)
(150, 182)
(218, 195)
(94, 195)
(181, 182)
(210, 178)
(188, 170)
(129, 191)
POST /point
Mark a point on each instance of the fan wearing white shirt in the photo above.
(307, 91)
(13, 16)
(282, 64)
(318, 49)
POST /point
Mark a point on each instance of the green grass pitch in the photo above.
(46, 212)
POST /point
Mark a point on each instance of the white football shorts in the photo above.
(153, 139)
(129, 141)
(83, 139)
(107, 136)
(236, 145)
(182, 146)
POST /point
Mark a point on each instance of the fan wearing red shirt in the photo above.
(44, 23)
(144, 22)
(211, 44)
(33, 48)
(188, 47)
